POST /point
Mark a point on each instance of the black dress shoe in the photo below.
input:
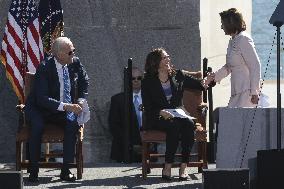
(67, 176)
(33, 177)
(183, 178)
(166, 177)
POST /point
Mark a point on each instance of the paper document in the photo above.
(178, 112)
(84, 116)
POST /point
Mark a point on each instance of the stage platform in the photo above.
(112, 175)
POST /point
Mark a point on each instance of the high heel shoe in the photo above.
(183, 176)
(165, 176)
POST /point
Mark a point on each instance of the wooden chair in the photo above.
(51, 134)
(192, 100)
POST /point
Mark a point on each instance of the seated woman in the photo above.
(162, 88)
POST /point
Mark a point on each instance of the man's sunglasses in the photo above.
(139, 78)
(71, 52)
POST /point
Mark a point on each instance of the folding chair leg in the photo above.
(204, 155)
(81, 163)
(18, 155)
(148, 158)
(79, 160)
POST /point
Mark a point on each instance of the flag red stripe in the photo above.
(12, 53)
(32, 55)
(13, 33)
(34, 33)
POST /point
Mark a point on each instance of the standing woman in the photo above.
(162, 88)
(242, 62)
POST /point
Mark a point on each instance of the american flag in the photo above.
(22, 48)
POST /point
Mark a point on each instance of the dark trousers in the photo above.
(37, 124)
(178, 130)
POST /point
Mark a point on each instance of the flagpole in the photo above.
(24, 52)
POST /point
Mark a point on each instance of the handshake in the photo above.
(209, 80)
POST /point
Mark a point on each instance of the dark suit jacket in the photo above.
(155, 100)
(45, 92)
(116, 125)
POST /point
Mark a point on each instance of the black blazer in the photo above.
(45, 91)
(116, 121)
(155, 100)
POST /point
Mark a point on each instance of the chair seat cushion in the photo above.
(160, 136)
(153, 136)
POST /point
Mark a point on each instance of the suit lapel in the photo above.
(54, 78)
(72, 82)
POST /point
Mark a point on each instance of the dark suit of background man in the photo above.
(52, 99)
(116, 122)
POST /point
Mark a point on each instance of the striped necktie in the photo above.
(66, 92)
(136, 105)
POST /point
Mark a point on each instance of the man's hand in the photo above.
(166, 115)
(75, 108)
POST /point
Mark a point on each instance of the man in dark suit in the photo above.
(116, 122)
(52, 99)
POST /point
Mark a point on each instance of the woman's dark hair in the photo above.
(232, 21)
(153, 60)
